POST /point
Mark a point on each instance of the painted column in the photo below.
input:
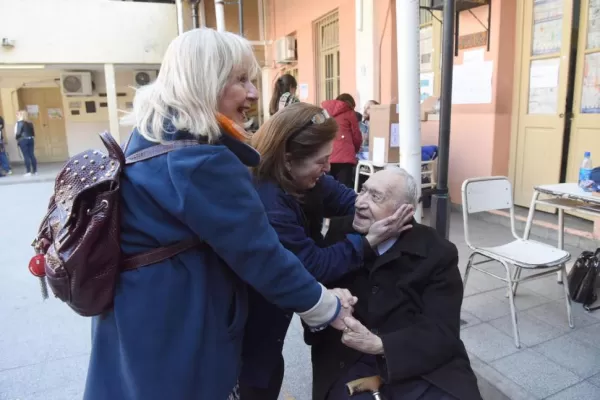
(407, 34)
(220, 15)
(365, 52)
(111, 100)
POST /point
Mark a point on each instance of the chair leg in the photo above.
(563, 271)
(467, 270)
(511, 300)
(516, 278)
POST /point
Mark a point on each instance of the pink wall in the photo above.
(298, 16)
(480, 133)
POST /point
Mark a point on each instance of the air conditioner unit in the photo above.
(76, 83)
(144, 77)
(285, 50)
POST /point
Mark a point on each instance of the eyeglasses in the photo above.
(317, 119)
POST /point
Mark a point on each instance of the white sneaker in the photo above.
(28, 174)
(9, 173)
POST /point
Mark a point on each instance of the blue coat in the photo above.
(267, 324)
(177, 327)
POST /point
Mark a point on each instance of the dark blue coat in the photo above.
(177, 326)
(299, 229)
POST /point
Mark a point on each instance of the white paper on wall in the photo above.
(394, 135)
(379, 151)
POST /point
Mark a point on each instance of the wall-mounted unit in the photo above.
(285, 50)
(142, 78)
(76, 83)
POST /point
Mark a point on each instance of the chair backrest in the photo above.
(486, 194)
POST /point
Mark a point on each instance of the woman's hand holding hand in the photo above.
(391, 226)
(347, 301)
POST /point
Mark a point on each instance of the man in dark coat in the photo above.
(407, 319)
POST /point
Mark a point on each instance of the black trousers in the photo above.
(343, 173)
(269, 393)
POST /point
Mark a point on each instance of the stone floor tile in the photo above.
(487, 343)
(531, 330)
(578, 357)
(581, 391)
(524, 298)
(468, 319)
(485, 306)
(589, 335)
(555, 314)
(537, 374)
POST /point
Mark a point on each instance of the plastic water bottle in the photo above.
(585, 171)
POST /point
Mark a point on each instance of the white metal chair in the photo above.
(495, 193)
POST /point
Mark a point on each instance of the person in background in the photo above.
(297, 193)
(176, 328)
(364, 130)
(348, 140)
(25, 134)
(4, 163)
(284, 93)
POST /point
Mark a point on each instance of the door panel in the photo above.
(546, 35)
(49, 124)
(585, 126)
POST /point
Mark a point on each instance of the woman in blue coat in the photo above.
(292, 182)
(177, 326)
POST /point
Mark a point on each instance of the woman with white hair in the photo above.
(176, 328)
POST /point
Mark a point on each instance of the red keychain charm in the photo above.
(37, 266)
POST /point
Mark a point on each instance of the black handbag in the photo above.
(582, 279)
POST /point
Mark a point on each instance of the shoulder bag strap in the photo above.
(159, 254)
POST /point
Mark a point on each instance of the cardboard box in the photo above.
(384, 144)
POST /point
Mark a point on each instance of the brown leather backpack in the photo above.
(79, 237)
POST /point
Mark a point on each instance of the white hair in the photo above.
(410, 189)
(196, 68)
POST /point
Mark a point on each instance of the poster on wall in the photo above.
(593, 33)
(33, 110)
(426, 84)
(472, 81)
(590, 90)
(547, 26)
(55, 113)
(543, 86)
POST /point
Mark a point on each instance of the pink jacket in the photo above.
(349, 139)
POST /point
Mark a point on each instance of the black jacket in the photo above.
(24, 130)
(411, 297)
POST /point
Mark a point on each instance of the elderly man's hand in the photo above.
(358, 337)
(391, 226)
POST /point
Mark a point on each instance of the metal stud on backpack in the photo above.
(77, 246)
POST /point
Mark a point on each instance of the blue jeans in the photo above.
(27, 148)
(4, 164)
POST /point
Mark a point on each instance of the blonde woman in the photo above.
(25, 136)
(177, 326)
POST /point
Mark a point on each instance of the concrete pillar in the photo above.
(407, 31)
(111, 100)
(179, 8)
(220, 15)
(365, 52)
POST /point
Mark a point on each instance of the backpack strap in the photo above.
(160, 254)
(159, 149)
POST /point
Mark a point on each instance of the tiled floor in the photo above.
(554, 361)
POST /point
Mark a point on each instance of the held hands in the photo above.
(358, 337)
(347, 301)
(391, 226)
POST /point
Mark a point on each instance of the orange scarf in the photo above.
(233, 129)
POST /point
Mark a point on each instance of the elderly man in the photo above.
(407, 319)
